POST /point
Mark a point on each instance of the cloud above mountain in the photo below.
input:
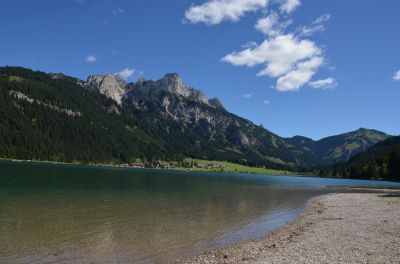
(327, 83)
(215, 11)
(288, 6)
(316, 26)
(299, 75)
(90, 58)
(271, 26)
(280, 54)
(289, 56)
(127, 73)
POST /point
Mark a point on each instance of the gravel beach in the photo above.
(335, 228)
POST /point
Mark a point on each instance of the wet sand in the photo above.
(335, 228)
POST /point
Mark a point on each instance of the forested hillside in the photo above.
(105, 120)
(54, 117)
(382, 161)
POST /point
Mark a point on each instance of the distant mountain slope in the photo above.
(103, 119)
(339, 148)
(381, 161)
(342, 147)
(378, 151)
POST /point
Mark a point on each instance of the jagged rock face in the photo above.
(171, 97)
(189, 111)
(216, 103)
(111, 85)
(170, 83)
(173, 83)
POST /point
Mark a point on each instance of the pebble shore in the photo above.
(335, 228)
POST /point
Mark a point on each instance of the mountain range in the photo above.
(51, 116)
(381, 161)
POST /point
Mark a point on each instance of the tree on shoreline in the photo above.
(394, 164)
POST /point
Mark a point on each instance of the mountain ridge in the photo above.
(165, 118)
(341, 147)
(381, 161)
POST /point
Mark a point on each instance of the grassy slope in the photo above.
(229, 167)
(233, 167)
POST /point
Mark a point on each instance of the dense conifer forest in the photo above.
(53, 117)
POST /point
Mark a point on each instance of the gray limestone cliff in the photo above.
(170, 83)
(111, 85)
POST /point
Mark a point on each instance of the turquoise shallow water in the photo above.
(66, 213)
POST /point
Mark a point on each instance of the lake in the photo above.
(66, 213)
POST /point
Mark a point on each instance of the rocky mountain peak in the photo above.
(141, 80)
(216, 103)
(364, 130)
(173, 76)
(111, 85)
(171, 83)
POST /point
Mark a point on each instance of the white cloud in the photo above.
(293, 80)
(308, 31)
(267, 24)
(271, 26)
(396, 76)
(288, 6)
(266, 102)
(316, 26)
(90, 58)
(322, 19)
(250, 44)
(247, 95)
(290, 57)
(327, 83)
(280, 54)
(214, 12)
(126, 73)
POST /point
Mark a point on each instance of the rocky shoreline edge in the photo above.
(334, 228)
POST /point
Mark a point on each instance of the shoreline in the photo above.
(188, 170)
(180, 169)
(334, 228)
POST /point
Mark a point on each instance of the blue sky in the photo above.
(298, 67)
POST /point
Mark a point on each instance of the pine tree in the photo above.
(394, 164)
